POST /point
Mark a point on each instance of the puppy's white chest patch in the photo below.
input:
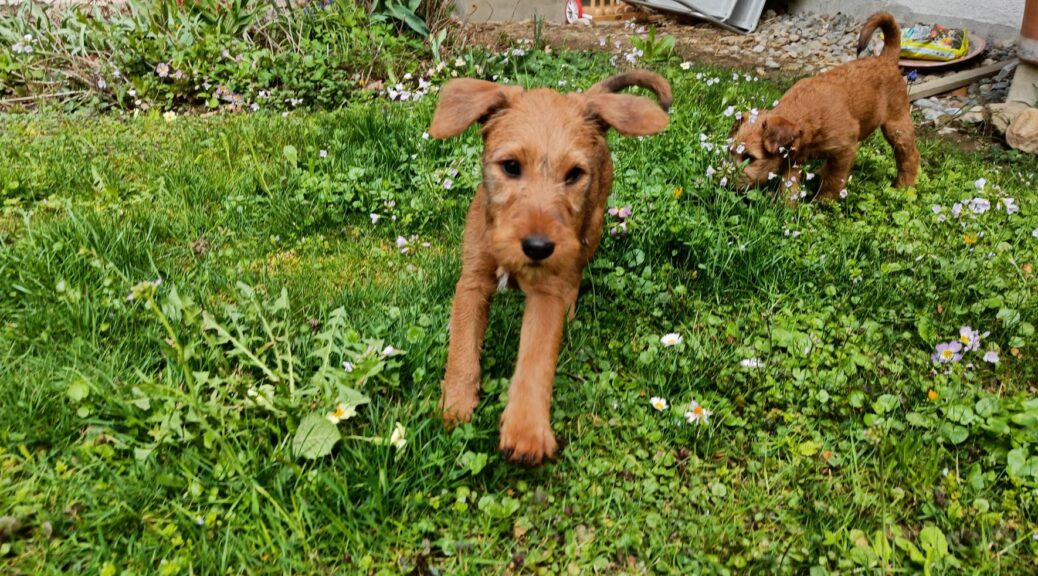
(502, 280)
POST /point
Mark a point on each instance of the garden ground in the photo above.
(307, 264)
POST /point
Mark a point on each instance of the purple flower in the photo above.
(969, 338)
(1010, 204)
(991, 357)
(624, 213)
(913, 76)
(947, 352)
(162, 69)
(936, 208)
(956, 209)
(980, 205)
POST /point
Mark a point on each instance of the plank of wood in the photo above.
(949, 83)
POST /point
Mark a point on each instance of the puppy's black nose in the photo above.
(537, 247)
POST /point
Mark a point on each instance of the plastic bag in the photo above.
(922, 42)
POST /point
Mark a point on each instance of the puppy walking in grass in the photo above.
(827, 116)
(535, 222)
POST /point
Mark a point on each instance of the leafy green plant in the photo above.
(653, 48)
(240, 55)
(405, 11)
(248, 358)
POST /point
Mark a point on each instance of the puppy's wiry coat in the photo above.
(535, 222)
(827, 116)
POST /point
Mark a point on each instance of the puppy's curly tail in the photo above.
(891, 34)
(641, 78)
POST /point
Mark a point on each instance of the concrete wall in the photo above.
(996, 19)
(511, 10)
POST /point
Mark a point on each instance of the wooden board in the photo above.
(949, 83)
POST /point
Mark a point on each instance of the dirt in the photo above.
(696, 42)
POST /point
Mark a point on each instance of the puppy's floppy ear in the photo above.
(779, 133)
(463, 101)
(630, 115)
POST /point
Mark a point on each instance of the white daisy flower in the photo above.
(671, 339)
(697, 414)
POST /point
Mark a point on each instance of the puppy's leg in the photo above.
(526, 435)
(468, 324)
(900, 133)
(836, 172)
(460, 391)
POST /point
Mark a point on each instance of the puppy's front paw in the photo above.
(457, 402)
(526, 438)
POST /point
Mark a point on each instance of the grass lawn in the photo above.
(159, 434)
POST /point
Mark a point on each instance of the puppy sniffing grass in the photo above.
(827, 116)
(535, 222)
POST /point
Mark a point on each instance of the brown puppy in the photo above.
(535, 222)
(827, 116)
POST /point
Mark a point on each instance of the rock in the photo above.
(929, 103)
(759, 48)
(932, 115)
(771, 64)
(947, 131)
(1003, 114)
(971, 117)
(1005, 73)
(1022, 134)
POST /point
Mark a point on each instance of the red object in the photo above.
(1028, 48)
(574, 11)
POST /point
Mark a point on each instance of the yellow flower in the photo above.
(970, 239)
(678, 192)
(398, 438)
(341, 412)
(932, 394)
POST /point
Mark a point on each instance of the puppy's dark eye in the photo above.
(512, 168)
(574, 175)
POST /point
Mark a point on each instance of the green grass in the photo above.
(830, 458)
